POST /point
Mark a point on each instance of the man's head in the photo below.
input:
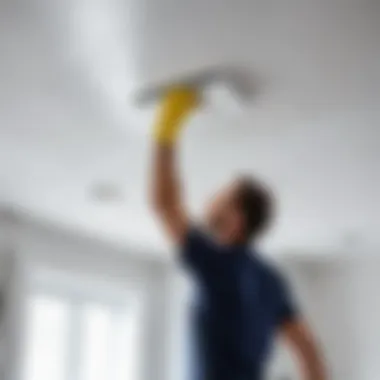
(240, 212)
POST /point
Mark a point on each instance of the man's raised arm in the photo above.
(167, 201)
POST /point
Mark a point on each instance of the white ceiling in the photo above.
(67, 120)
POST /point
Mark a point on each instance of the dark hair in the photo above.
(256, 203)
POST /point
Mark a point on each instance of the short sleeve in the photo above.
(199, 253)
(287, 310)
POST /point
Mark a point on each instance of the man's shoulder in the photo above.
(268, 268)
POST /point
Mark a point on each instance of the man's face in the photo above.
(223, 217)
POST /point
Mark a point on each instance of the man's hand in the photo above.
(301, 341)
(176, 106)
(167, 201)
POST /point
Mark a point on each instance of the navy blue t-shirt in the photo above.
(240, 303)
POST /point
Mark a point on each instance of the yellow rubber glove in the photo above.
(176, 105)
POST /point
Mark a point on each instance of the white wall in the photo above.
(6, 277)
(339, 299)
(34, 246)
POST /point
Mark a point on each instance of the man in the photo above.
(243, 301)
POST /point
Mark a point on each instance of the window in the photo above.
(47, 341)
(73, 336)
